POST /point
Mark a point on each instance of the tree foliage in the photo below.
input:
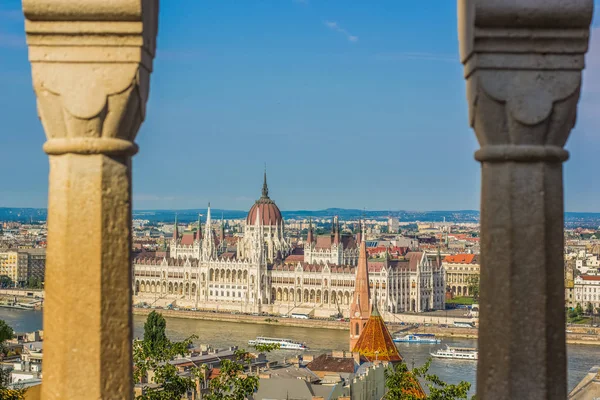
(5, 281)
(155, 360)
(34, 283)
(473, 285)
(6, 332)
(151, 357)
(232, 383)
(589, 309)
(155, 331)
(403, 384)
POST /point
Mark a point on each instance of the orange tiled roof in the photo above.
(460, 258)
(375, 341)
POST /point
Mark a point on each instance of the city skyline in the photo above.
(334, 98)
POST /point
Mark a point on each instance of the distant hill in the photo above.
(572, 219)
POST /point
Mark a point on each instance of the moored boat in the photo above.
(284, 344)
(417, 338)
(456, 353)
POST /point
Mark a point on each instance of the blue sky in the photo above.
(351, 104)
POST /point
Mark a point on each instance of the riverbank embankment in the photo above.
(244, 318)
(576, 335)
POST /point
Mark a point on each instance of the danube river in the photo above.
(221, 334)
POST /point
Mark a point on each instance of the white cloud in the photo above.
(335, 27)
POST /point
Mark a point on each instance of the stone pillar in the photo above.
(523, 63)
(91, 67)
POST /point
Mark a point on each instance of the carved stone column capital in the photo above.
(523, 63)
(91, 69)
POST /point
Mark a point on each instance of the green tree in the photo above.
(232, 383)
(589, 309)
(5, 281)
(403, 384)
(34, 283)
(154, 331)
(155, 358)
(152, 355)
(578, 310)
(6, 332)
(473, 285)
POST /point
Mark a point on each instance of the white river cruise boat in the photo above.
(417, 338)
(284, 344)
(456, 353)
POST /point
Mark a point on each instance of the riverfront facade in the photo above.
(266, 273)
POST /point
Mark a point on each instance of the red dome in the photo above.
(269, 212)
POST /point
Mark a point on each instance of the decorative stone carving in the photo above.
(91, 67)
(523, 63)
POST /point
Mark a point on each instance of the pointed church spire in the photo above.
(207, 227)
(333, 227)
(208, 245)
(222, 233)
(265, 188)
(336, 235)
(309, 237)
(360, 307)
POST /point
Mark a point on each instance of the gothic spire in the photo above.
(360, 309)
(222, 232)
(265, 188)
(199, 232)
(208, 245)
(208, 221)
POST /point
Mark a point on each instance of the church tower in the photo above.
(360, 309)
(209, 248)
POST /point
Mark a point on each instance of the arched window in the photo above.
(356, 328)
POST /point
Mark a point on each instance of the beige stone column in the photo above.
(523, 63)
(91, 67)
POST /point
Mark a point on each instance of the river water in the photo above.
(222, 334)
